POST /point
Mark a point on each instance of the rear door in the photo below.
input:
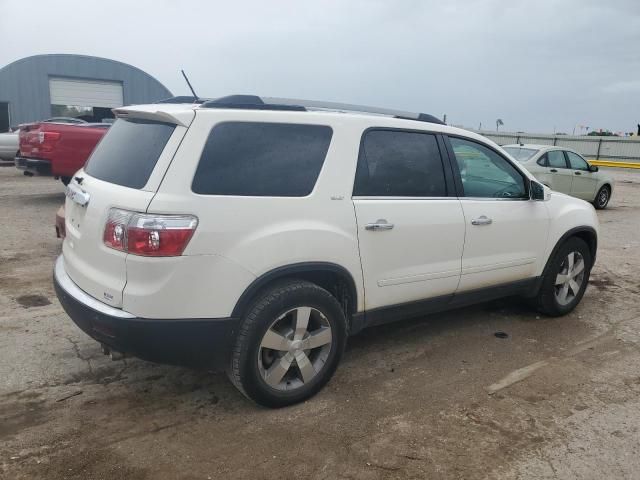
(557, 174)
(506, 232)
(584, 181)
(410, 223)
(124, 172)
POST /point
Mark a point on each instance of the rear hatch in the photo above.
(123, 172)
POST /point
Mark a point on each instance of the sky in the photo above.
(540, 66)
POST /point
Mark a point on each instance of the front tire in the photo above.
(289, 344)
(602, 198)
(565, 279)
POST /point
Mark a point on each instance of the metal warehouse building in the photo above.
(44, 86)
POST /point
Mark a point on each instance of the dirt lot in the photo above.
(410, 400)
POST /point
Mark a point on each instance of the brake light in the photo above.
(148, 234)
(47, 140)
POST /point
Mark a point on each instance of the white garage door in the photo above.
(85, 93)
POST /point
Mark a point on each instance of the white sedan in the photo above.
(564, 170)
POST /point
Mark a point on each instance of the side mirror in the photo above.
(536, 191)
(593, 168)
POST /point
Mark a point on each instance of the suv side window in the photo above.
(556, 159)
(577, 162)
(396, 163)
(485, 173)
(262, 159)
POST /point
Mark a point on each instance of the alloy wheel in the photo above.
(295, 348)
(603, 197)
(570, 278)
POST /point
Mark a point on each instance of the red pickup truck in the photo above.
(58, 149)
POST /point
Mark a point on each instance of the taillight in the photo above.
(115, 231)
(148, 234)
(47, 140)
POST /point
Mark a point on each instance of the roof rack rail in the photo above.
(254, 102)
(250, 102)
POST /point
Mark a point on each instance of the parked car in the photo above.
(71, 120)
(255, 235)
(9, 145)
(58, 149)
(565, 171)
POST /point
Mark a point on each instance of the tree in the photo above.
(498, 123)
(601, 133)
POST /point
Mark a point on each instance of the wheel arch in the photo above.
(334, 278)
(586, 233)
(608, 185)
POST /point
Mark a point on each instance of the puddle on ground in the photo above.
(28, 301)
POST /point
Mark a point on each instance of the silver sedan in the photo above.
(9, 145)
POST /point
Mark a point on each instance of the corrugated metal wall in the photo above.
(25, 83)
(600, 148)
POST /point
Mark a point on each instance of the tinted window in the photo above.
(556, 159)
(577, 162)
(484, 173)
(262, 159)
(399, 164)
(128, 152)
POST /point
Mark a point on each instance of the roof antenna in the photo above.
(195, 96)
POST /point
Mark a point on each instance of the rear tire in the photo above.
(289, 344)
(565, 279)
(602, 198)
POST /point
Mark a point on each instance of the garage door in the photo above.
(85, 93)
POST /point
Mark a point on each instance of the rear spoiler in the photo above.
(183, 117)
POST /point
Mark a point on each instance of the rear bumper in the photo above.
(191, 342)
(34, 166)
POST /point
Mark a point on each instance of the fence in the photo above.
(620, 149)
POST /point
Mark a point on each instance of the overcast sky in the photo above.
(537, 65)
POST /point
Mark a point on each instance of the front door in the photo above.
(557, 174)
(410, 223)
(584, 181)
(506, 232)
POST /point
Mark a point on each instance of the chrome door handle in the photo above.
(482, 220)
(380, 224)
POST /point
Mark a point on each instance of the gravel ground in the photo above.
(439, 397)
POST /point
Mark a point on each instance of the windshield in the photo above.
(521, 154)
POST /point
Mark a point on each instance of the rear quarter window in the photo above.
(262, 159)
(129, 151)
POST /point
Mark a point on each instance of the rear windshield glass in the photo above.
(129, 151)
(262, 159)
(521, 154)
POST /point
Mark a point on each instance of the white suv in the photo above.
(257, 234)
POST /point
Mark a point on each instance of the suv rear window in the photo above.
(262, 159)
(129, 151)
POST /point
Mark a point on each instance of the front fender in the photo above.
(569, 216)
